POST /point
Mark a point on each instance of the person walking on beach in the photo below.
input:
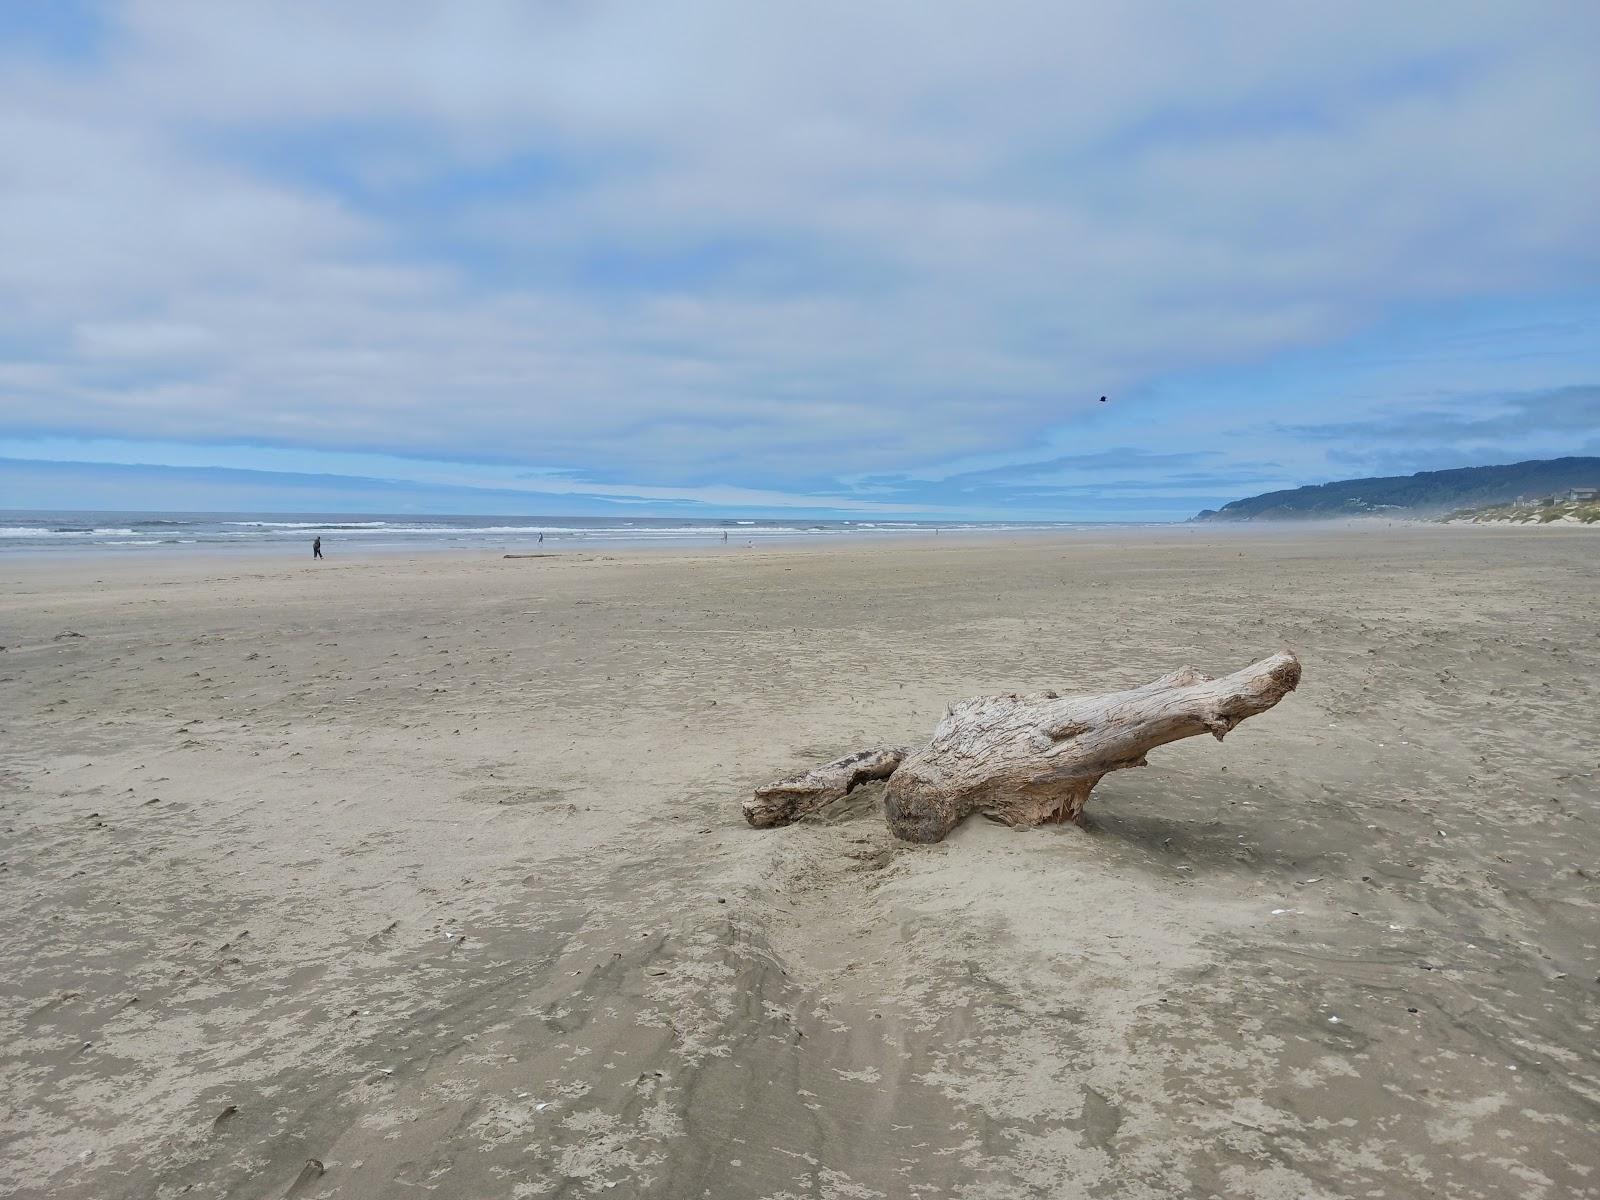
(316, 547)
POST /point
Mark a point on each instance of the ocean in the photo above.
(34, 532)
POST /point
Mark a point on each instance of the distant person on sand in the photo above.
(724, 535)
(541, 539)
(316, 547)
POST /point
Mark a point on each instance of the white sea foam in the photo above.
(330, 524)
(60, 531)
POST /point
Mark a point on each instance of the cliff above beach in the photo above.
(1423, 495)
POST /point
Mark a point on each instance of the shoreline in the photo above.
(285, 552)
(288, 552)
(559, 543)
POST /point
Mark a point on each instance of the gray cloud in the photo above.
(1572, 410)
(1116, 459)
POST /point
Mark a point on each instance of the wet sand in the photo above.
(432, 870)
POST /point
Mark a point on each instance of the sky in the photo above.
(811, 259)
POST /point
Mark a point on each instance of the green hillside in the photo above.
(1425, 494)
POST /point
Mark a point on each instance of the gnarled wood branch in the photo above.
(1032, 759)
(787, 800)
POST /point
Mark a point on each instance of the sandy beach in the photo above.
(430, 870)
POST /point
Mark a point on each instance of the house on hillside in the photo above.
(1581, 495)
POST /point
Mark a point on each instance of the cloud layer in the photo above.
(815, 248)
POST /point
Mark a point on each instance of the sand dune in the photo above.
(432, 870)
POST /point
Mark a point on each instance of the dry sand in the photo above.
(432, 870)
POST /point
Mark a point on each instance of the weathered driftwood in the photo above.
(1031, 759)
(789, 799)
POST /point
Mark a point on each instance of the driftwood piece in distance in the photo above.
(1033, 759)
(527, 556)
(787, 800)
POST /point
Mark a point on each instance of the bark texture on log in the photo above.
(1032, 759)
(787, 800)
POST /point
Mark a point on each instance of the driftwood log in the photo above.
(1029, 759)
(787, 800)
